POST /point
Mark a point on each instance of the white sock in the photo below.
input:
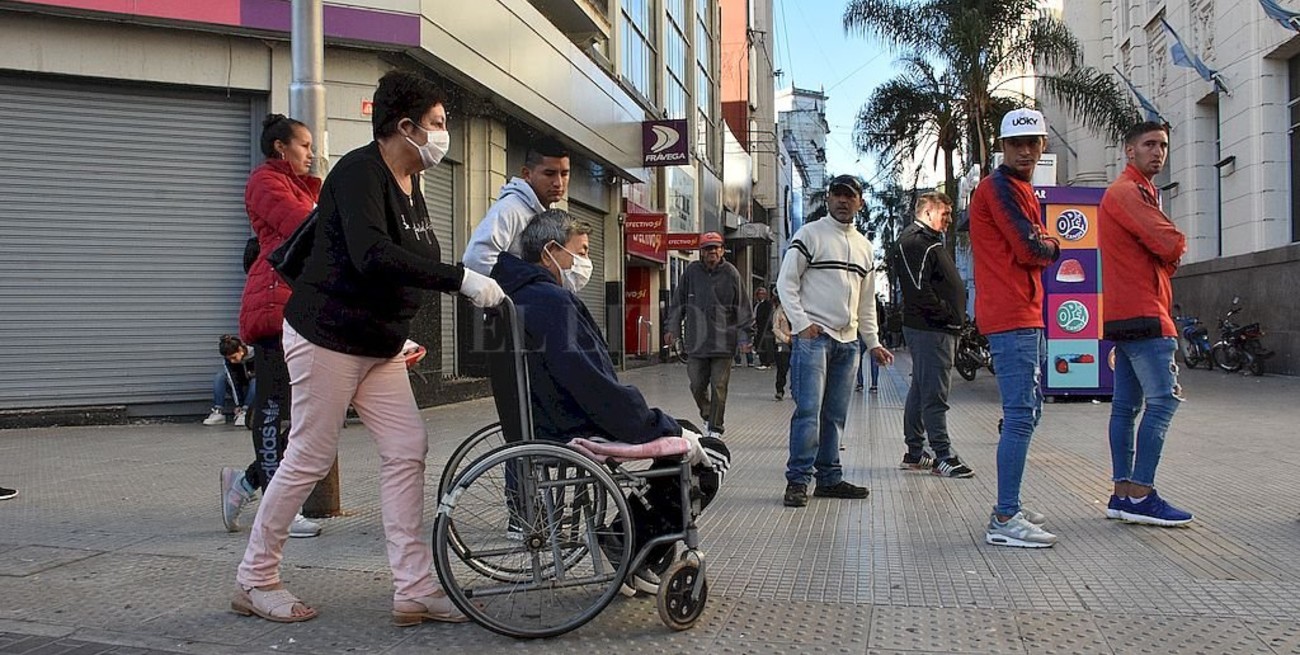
(1136, 499)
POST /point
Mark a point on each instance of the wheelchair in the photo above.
(534, 539)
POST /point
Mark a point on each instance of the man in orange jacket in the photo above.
(1011, 249)
(1140, 250)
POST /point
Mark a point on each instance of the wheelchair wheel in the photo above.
(680, 602)
(487, 438)
(506, 570)
(523, 541)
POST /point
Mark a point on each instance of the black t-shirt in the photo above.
(375, 253)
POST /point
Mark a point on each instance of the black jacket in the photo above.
(374, 255)
(712, 307)
(934, 295)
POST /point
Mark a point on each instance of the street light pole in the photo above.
(307, 104)
(307, 90)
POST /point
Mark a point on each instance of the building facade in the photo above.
(1232, 183)
(130, 134)
(802, 126)
(748, 109)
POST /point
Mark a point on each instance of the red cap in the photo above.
(710, 239)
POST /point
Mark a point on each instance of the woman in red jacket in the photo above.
(279, 196)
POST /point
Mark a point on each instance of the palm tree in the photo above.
(983, 45)
(917, 110)
(892, 213)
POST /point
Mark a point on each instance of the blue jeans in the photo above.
(1019, 356)
(822, 378)
(223, 389)
(875, 368)
(1144, 371)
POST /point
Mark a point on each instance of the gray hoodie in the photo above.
(500, 228)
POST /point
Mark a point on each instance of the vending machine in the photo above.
(1079, 361)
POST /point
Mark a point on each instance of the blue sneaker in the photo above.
(1155, 511)
(1116, 506)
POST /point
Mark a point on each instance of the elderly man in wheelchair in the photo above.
(537, 534)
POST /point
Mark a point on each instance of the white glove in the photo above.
(481, 290)
(696, 454)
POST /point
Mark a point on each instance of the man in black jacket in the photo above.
(710, 303)
(934, 309)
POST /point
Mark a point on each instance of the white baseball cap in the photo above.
(1023, 122)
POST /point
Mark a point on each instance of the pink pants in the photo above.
(324, 382)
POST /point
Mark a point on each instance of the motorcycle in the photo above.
(1239, 346)
(1196, 339)
(972, 352)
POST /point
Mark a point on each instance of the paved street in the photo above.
(115, 544)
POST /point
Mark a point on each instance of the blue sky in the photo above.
(814, 52)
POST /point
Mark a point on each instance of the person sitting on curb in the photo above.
(235, 377)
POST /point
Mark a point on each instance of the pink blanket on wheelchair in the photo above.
(601, 451)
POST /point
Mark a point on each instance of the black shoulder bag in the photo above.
(291, 257)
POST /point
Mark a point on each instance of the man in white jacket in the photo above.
(543, 181)
(828, 290)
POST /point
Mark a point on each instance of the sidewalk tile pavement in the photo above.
(115, 545)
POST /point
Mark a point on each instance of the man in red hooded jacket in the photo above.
(1140, 250)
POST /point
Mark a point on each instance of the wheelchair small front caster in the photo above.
(682, 594)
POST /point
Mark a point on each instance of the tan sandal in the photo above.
(435, 607)
(273, 605)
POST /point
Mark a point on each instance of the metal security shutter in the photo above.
(122, 226)
(593, 295)
(440, 196)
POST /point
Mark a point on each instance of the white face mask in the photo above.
(576, 276)
(434, 148)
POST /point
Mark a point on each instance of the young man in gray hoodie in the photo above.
(543, 181)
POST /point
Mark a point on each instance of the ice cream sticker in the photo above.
(1071, 271)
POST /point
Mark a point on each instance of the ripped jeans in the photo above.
(1145, 374)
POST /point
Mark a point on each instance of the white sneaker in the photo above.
(234, 497)
(241, 417)
(1018, 532)
(217, 417)
(301, 528)
(1037, 518)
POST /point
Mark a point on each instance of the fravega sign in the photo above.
(664, 143)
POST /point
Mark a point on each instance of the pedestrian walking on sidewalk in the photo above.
(1011, 249)
(374, 256)
(828, 290)
(710, 301)
(934, 310)
(764, 343)
(872, 365)
(278, 197)
(1140, 250)
(781, 337)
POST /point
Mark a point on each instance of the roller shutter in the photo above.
(122, 227)
(593, 295)
(440, 196)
